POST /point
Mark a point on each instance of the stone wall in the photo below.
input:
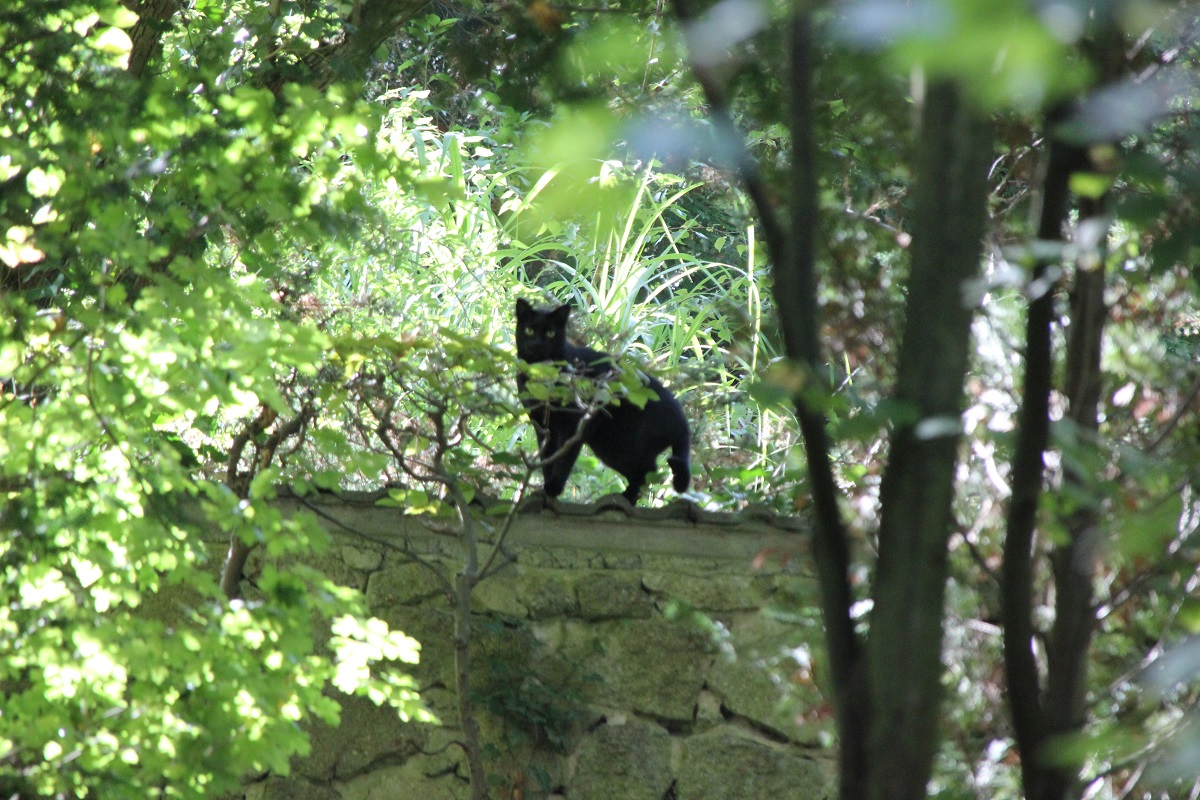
(619, 656)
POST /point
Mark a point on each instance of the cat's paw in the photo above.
(537, 500)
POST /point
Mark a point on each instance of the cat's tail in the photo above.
(678, 462)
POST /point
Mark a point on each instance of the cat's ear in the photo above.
(559, 315)
(523, 308)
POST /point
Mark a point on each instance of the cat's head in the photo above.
(541, 333)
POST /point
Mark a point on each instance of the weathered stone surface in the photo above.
(547, 593)
(401, 585)
(608, 596)
(652, 667)
(367, 734)
(712, 592)
(746, 688)
(361, 557)
(620, 561)
(278, 788)
(756, 683)
(328, 562)
(623, 762)
(708, 708)
(431, 624)
(727, 765)
(409, 780)
(498, 596)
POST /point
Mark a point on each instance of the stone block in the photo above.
(714, 592)
(402, 585)
(651, 667)
(280, 788)
(408, 780)
(607, 596)
(623, 762)
(367, 734)
(547, 594)
(498, 595)
(757, 682)
(431, 624)
(727, 765)
(361, 558)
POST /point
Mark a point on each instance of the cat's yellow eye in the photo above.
(550, 334)
(528, 331)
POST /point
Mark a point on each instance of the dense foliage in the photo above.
(254, 245)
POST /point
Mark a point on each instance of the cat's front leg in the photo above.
(634, 490)
(557, 462)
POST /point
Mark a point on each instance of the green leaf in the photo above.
(1189, 615)
(114, 41)
(118, 16)
(1145, 532)
(770, 395)
(1090, 184)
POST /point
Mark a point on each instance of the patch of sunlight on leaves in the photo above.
(104, 599)
(573, 151)
(44, 182)
(244, 403)
(413, 501)
(103, 672)
(372, 639)
(615, 48)
(18, 247)
(62, 680)
(291, 711)
(118, 16)
(84, 23)
(1090, 184)
(357, 645)
(7, 168)
(239, 623)
(251, 710)
(166, 746)
(114, 42)
(44, 589)
(87, 572)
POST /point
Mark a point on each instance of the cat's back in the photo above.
(588, 361)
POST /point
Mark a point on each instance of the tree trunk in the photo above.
(905, 643)
(153, 20)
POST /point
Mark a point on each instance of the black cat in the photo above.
(626, 438)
